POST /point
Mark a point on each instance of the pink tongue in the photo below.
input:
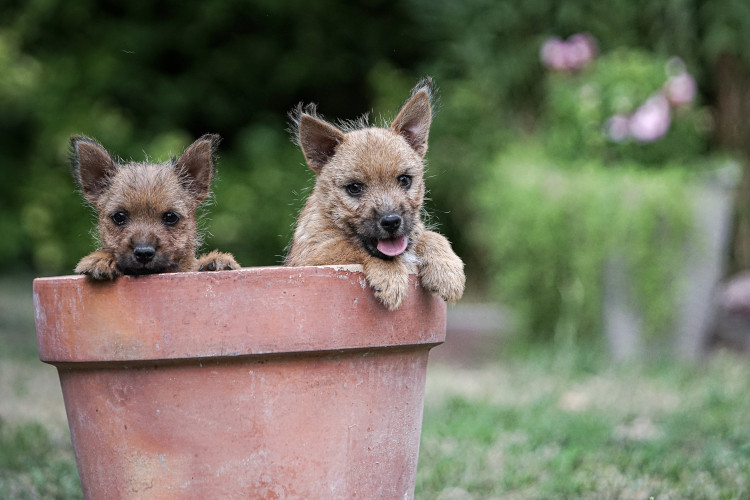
(393, 246)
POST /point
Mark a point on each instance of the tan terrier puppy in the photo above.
(146, 211)
(366, 204)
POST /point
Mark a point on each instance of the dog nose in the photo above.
(144, 253)
(390, 222)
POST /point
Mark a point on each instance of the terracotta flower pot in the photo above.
(258, 383)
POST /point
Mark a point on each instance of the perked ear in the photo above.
(317, 138)
(413, 121)
(93, 167)
(196, 166)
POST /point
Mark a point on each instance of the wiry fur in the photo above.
(339, 227)
(146, 211)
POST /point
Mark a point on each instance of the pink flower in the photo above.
(553, 54)
(570, 55)
(618, 127)
(652, 120)
(680, 89)
(580, 50)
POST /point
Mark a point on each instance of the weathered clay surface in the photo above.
(258, 383)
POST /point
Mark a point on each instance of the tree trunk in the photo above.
(732, 85)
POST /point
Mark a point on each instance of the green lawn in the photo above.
(543, 427)
(529, 426)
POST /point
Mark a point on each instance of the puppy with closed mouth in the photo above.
(146, 211)
(367, 201)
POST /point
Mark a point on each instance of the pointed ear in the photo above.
(196, 166)
(413, 121)
(318, 141)
(93, 167)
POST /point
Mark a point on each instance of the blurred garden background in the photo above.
(590, 162)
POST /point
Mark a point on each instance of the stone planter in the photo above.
(702, 267)
(259, 383)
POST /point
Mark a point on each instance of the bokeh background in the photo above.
(590, 161)
(521, 165)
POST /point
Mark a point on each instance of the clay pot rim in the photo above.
(260, 311)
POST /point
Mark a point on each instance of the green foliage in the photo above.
(578, 107)
(148, 78)
(726, 26)
(260, 190)
(549, 233)
(484, 55)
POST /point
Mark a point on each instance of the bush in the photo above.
(627, 105)
(261, 187)
(548, 233)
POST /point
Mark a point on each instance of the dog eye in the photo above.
(404, 181)
(354, 189)
(119, 218)
(170, 218)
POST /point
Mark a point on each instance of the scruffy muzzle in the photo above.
(386, 235)
(145, 258)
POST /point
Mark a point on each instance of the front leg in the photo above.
(441, 271)
(99, 265)
(389, 279)
(216, 261)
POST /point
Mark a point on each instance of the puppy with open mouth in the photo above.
(366, 205)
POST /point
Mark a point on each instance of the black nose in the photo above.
(144, 253)
(391, 222)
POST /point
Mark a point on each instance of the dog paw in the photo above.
(392, 292)
(445, 278)
(99, 265)
(217, 261)
(389, 281)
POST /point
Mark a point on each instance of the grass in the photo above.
(537, 425)
(33, 465)
(541, 427)
(36, 456)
